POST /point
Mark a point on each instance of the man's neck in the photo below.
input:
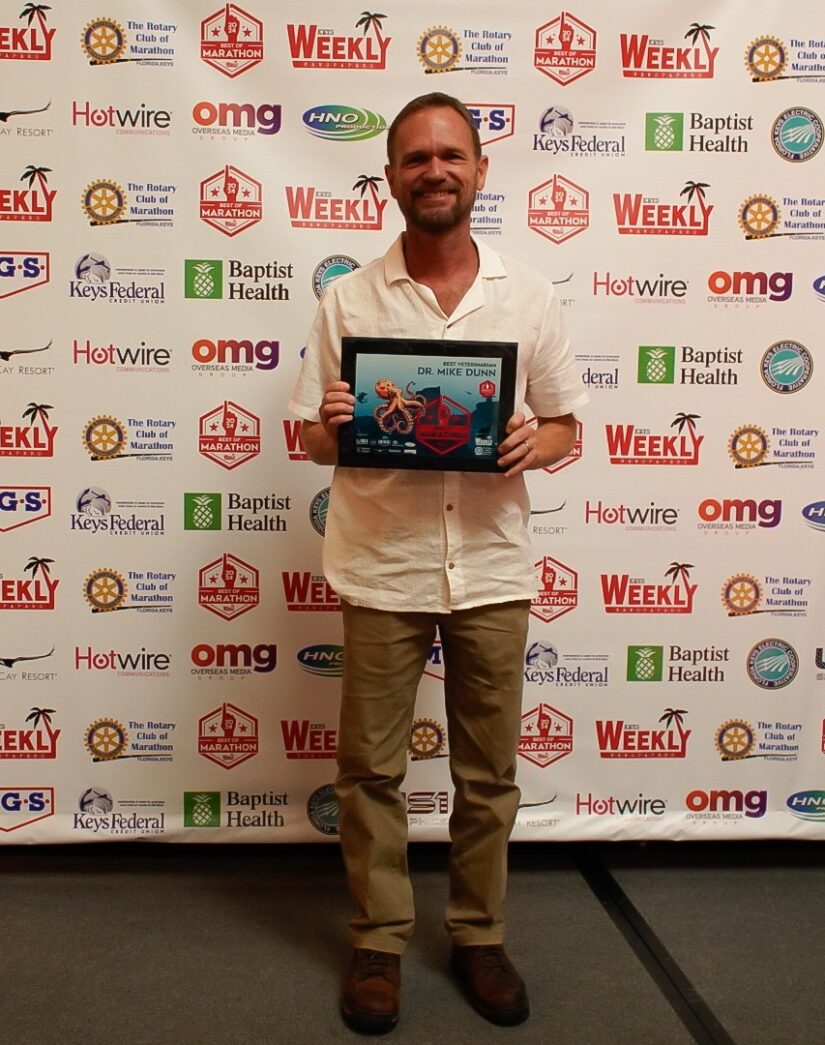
(434, 257)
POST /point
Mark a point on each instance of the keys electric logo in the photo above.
(122, 359)
(797, 134)
(767, 59)
(132, 286)
(311, 208)
(229, 435)
(772, 664)
(558, 590)
(33, 203)
(39, 741)
(20, 806)
(494, 122)
(142, 663)
(106, 590)
(651, 517)
(228, 736)
(229, 587)
(786, 366)
(20, 505)
(622, 593)
(231, 201)
(565, 48)
(308, 740)
(95, 513)
(109, 740)
(684, 663)
(727, 804)
(657, 365)
(781, 596)
(232, 40)
(558, 209)
(641, 215)
(627, 444)
(107, 438)
(546, 735)
(318, 509)
(236, 121)
(203, 280)
(738, 514)
(322, 809)
(440, 49)
(619, 739)
(97, 814)
(105, 42)
(542, 667)
(760, 217)
(35, 592)
(343, 123)
(8, 663)
(325, 660)
(330, 269)
(31, 42)
(133, 120)
(736, 740)
(646, 290)
(665, 132)
(105, 202)
(305, 592)
(22, 270)
(232, 660)
(311, 47)
(749, 288)
(648, 58)
(557, 135)
(749, 447)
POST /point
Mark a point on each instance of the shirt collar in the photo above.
(490, 265)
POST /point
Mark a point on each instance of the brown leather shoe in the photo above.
(492, 984)
(373, 991)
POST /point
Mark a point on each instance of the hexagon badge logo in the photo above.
(444, 425)
(565, 49)
(558, 590)
(228, 736)
(230, 201)
(546, 735)
(228, 587)
(229, 435)
(232, 40)
(558, 209)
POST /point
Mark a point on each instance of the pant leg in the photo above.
(384, 658)
(483, 658)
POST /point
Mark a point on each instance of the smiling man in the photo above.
(409, 552)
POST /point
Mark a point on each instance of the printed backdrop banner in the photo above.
(179, 182)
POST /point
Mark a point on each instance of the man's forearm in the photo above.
(554, 439)
(321, 447)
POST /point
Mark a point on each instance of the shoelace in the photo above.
(375, 963)
(492, 958)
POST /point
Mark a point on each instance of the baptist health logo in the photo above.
(201, 809)
(202, 511)
(203, 278)
(664, 131)
(645, 663)
(656, 364)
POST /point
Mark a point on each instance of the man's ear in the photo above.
(483, 164)
(388, 174)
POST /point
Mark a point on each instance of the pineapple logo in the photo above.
(203, 279)
(664, 131)
(201, 809)
(202, 511)
(645, 663)
(657, 364)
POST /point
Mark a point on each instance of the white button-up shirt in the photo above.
(434, 541)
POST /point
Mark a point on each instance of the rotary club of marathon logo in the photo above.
(106, 438)
(768, 59)
(229, 435)
(439, 50)
(228, 736)
(749, 446)
(228, 587)
(232, 40)
(107, 740)
(104, 202)
(428, 739)
(230, 201)
(106, 590)
(104, 41)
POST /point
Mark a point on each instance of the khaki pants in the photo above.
(385, 655)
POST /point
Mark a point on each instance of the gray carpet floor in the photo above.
(156, 944)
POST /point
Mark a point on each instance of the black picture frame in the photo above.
(429, 404)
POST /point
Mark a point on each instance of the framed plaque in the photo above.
(423, 403)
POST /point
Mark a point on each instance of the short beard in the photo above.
(436, 221)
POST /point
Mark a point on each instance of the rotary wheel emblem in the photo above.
(104, 437)
(439, 49)
(426, 738)
(105, 590)
(103, 40)
(741, 594)
(105, 739)
(766, 58)
(734, 739)
(758, 217)
(748, 446)
(104, 202)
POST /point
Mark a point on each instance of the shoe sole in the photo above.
(367, 1022)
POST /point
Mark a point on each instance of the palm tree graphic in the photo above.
(696, 188)
(31, 10)
(366, 181)
(38, 413)
(672, 715)
(43, 715)
(696, 31)
(40, 173)
(678, 571)
(371, 21)
(686, 419)
(37, 565)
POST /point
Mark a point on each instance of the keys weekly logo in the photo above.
(622, 593)
(307, 591)
(648, 58)
(33, 203)
(638, 214)
(38, 741)
(29, 593)
(311, 47)
(33, 440)
(31, 42)
(311, 208)
(619, 739)
(627, 444)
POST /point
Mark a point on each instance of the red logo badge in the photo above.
(228, 587)
(229, 435)
(314, 48)
(619, 739)
(24, 504)
(24, 805)
(565, 49)
(294, 444)
(21, 270)
(232, 40)
(307, 591)
(228, 736)
(546, 735)
(230, 201)
(444, 425)
(35, 592)
(558, 209)
(558, 590)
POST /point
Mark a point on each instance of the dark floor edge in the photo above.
(665, 972)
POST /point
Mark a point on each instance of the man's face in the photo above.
(434, 174)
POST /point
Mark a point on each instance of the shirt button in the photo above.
(450, 565)
(449, 507)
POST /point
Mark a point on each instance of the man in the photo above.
(409, 551)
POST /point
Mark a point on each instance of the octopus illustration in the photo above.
(397, 414)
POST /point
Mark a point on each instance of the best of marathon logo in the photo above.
(231, 201)
(229, 435)
(232, 660)
(229, 587)
(107, 438)
(31, 41)
(622, 593)
(627, 444)
(22, 270)
(638, 215)
(232, 40)
(312, 47)
(311, 208)
(95, 512)
(619, 739)
(217, 121)
(304, 591)
(558, 209)
(647, 663)
(228, 736)
(32, 203)
(565, 48)
(105, 42)
(38, 741)
(23, 504)
(203, 280)
(546, 735)
(132, 286)
(649, 58)
(35, 592)
(558, 589)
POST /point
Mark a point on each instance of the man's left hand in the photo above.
(518, 451)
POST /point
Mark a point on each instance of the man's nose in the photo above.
(434, 169)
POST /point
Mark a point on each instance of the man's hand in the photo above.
(321, 437)
(527, 447)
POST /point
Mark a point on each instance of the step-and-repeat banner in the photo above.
(179, 182)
